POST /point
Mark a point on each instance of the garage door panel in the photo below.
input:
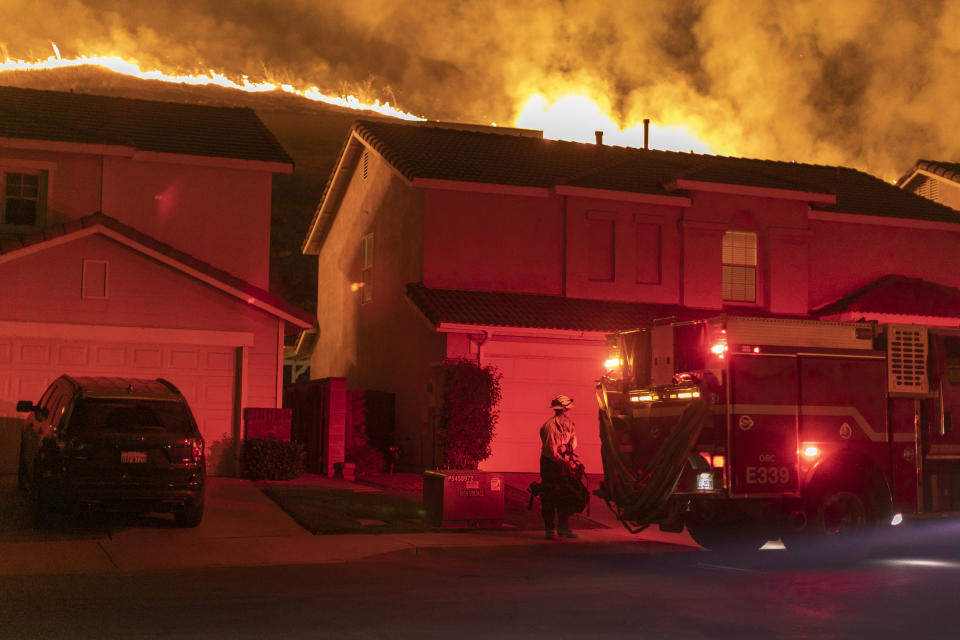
(147, 358)
(104, 356)
(73, 355)
(6, 352)
(184, 359)
(33, 353)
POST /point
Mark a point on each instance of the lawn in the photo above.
(323, 510)
(328, 510)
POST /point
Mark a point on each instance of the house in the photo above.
(436, 241)
(135, 241)
(938, 181)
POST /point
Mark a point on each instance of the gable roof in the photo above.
(523, 310)
(898, 295)
(99, 223)
(947, 170)
(144, 125)
(437, 152)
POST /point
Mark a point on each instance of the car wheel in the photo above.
(726, 536)
(191, 516)
(23, 483)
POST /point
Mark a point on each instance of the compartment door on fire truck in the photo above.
(763, 427)
(944, 430)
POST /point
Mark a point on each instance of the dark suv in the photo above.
(117, 443)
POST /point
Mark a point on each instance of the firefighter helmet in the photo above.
(561, 402)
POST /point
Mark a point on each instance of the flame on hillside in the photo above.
(574, 117)
(131, 68)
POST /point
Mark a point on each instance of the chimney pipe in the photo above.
(646, 133)
(599, 135)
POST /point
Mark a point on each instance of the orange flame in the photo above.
(131, 68)
(576, 117)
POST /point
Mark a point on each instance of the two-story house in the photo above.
(938, 181)
(436, 241)
(136, 242)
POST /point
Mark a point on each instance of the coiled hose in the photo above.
(637, 498)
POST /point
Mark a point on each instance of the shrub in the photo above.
(272, 459)
(468, 413)
(366, 457)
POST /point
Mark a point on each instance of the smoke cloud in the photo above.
(866, 83)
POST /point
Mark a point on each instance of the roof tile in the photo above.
(437, 152)
(147, 125)
(522, 310)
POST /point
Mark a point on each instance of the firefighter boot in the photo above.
(548, 524)
(563, 528)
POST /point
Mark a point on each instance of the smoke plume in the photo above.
(864, 83)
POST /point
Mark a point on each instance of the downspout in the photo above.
(480, 342)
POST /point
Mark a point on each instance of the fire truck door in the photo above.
(763, 424)
(944, 431)
(940, 463)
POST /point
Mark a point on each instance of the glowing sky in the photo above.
(870, 84)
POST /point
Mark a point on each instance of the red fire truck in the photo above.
(746, 430)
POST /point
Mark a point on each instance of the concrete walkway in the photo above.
(242, 527)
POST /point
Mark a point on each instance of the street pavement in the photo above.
(243, 527)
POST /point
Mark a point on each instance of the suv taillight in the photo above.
(195, 451)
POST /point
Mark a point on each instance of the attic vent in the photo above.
(929, 189)
(906, 359)
(366, 162)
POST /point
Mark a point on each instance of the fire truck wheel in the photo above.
(838, 519)
(726, 536)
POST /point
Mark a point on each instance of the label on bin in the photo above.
(471, 493)
(473, 484)
(495, 483)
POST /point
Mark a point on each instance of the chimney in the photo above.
(599, 135)
(646, 133)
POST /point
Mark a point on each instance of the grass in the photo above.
(322, 510)
(326, 510)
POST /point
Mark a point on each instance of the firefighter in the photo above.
(559, 440)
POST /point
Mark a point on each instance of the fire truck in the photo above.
(745, 430)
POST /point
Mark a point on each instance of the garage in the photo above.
(536, 369)
(202, 364)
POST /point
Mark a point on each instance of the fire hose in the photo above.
(637, 498)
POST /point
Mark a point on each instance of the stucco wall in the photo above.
(219, 215)
(492, 242)
(846, 256)
(627, 219)
(383, 344)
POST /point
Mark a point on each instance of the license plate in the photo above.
(133, 457)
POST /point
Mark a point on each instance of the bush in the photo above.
(272, 459)
(469, 414)
(366, 457)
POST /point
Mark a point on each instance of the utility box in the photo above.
(459, 499)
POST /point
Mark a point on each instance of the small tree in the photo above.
(468, 413)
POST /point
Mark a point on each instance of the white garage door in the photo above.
(533, 373)
(205, 374)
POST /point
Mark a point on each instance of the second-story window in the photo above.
(22, 199)
(366, 268)
(740, 266)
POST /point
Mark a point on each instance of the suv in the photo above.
(118, 443)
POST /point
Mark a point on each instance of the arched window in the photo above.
(740, 266)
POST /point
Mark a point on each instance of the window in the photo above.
(22, 200)
(648, 253)
(600, 249)
(740, 266)
(366, 268)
